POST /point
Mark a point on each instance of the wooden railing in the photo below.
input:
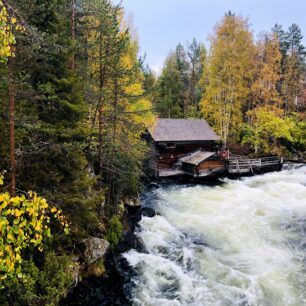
(242, 164)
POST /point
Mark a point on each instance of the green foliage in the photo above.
(83, 102)
(71, 185)
(96, 269)
(21, 292)
(292, 67)
(114, 231)
(23, 224)
(170, 100)
(178, 90)
(149, 83)
(44, 285)
(54, 278)
(266, 130)
(235, 77)
(120, 92)
(298, 132)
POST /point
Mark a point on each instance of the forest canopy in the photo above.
(238, 79)
(73, 110)
(76, 98)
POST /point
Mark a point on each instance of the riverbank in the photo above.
(112, 288)
(118, 285)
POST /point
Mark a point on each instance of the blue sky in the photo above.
(162, 24)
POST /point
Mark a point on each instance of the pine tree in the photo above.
(294, 69)
(294, 41)
(292, 83)
(169, 102)
(7, 53)
(50, 111)
(197, 55)
(183, 69)
(116, 97)
(292, 66)
(149, 82)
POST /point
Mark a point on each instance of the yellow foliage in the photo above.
(7, 38)
(267, 127)
(229, 70)
(23, 221)
(268, 65)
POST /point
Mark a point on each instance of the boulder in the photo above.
(148, 212)
(132, 202)
(95, 249)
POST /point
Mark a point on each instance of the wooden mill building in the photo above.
(184, 147)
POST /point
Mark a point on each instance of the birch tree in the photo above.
(228, 75)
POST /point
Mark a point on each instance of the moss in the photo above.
(96, 269)
(114, 231)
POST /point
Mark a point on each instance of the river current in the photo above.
(239, 243)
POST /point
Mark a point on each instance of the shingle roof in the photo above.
(182, 130)
(196, 157)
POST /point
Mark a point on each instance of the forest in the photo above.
(250, 91)
(76, 98)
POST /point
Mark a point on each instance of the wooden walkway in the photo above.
(238, 164)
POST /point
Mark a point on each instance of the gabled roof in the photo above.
(182, 130)
(197, 157)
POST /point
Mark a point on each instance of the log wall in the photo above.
(167, 157)
(210, 164)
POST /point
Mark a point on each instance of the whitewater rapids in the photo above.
(240, 243)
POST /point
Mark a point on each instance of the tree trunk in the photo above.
(73, 32)
(101, 119)
(111, 191)
(11, 90)
(101, 142)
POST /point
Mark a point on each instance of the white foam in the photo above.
(236, 244)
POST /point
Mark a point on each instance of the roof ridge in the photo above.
(182, 129)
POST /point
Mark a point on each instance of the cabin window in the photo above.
(170, 145)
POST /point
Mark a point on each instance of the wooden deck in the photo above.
(233, 165)
(242, 165)
(170, 172)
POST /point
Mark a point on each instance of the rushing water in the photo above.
(240, 243)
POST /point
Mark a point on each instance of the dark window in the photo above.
(170, 145)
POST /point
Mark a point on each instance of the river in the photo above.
(239, 243)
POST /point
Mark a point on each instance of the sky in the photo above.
(162, 24)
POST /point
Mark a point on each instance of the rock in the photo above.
(96, 248)
(148, 212)
(133, 202)
(76, 271)
(154, 185)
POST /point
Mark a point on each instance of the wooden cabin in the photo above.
(201, 163)
(184, 147)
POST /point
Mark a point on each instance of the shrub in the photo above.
(114, 231)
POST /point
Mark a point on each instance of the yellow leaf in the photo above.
(10, 237)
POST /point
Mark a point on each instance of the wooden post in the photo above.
(237, 164)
